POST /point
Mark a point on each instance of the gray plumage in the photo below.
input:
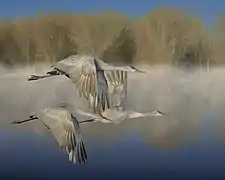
(117, 115)
(66, 130)
(91, 76)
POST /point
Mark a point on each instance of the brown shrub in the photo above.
(163, 36)
(171, 36)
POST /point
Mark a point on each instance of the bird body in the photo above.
(89, 75)
(97, 82)
(117, 115)
(66, 130)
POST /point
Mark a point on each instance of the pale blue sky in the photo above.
(205, 9)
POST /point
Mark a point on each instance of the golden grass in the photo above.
(162, 36)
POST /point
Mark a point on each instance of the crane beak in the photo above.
(162, 113)
(33, 77)
(138, 70)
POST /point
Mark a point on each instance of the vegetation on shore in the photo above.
(165, 35)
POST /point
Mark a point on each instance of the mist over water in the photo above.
(189, 138)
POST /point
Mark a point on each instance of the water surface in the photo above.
(188, 143)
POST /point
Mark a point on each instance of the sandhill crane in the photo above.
(117, 115)
(88, 73)
(66, 130)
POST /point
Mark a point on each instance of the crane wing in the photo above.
(80, 148)
(117, 81)
(82, 71)
(62, 126)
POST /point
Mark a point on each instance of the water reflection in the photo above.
(187, 143)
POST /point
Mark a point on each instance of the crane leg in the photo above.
(23, 121)
(35, 77)
(88, 120)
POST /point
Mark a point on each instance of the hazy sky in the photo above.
(134, 8)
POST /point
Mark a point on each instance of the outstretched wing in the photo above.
(82, 71)
(62, 126)
(117, 81)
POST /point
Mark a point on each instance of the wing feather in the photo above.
(88, 84)
(65, 129)
(108, 75)
(82, 70)
(113, 74)
(118, 84)
(118, 76)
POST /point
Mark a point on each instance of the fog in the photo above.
(193, 99)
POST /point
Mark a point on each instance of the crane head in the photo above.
(33, 117)
(63, 105)
(158, 113)
(33, 77)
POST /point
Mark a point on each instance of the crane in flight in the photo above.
(118, 114)
(89, 75)
(66, 130)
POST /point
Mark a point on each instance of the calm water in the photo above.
(188, 143)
